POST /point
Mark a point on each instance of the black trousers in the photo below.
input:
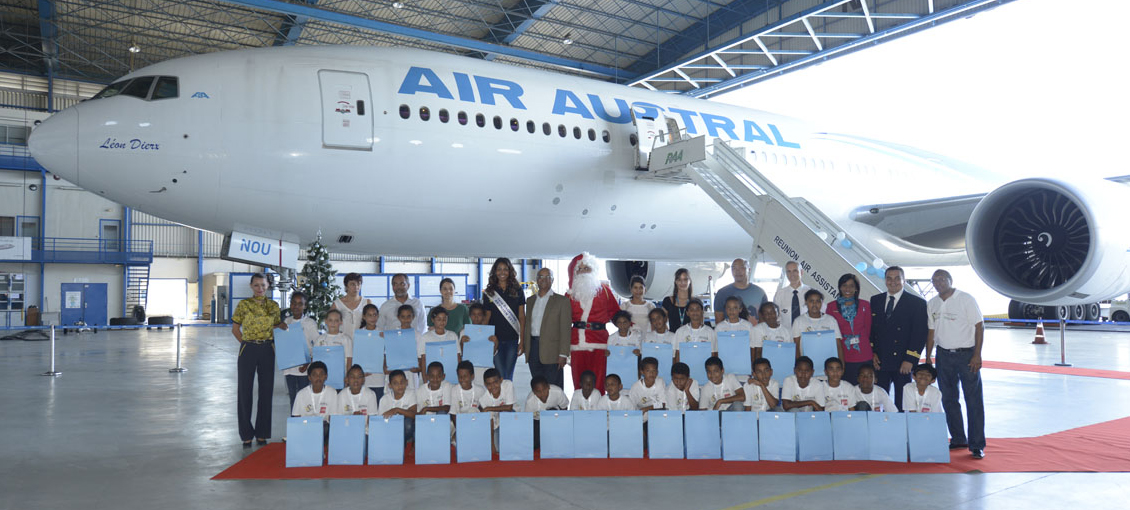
(552, 373)
(884, 378)
(255, 359)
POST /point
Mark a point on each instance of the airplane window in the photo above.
(576, 132)
(604, 135)
(425, 113)
(480, 120)
(166, 88)
(138, 87)
(112, 89)
(444, 116)
(405, 112)
(546, 128)
(530, 126)
(462, 118)
(592, 135)
(561, 130)
(774, 158)
(793, 158)
(497, 122)
(633, 139)
(513, 124)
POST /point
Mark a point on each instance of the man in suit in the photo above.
(546, 339)
(898, 333)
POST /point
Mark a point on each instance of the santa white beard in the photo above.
(585, 286)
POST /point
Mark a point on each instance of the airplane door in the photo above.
(646, 131)
(347, 119)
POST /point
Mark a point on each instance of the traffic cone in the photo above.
(1039, 334)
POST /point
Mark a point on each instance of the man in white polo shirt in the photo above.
(957, 328)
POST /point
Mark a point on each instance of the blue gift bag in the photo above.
(334, 358)
(433, 439)
(480, 354)
(304, 441)
(472, 437)
(664, 434)
(557, 435)
(777, 436)
(704, 434)
(928, 437)
(782, 357)
(814, 436)
(400, 349)
(386, 440)
(739, 436)
(516, 436)
(590, 434)
(850, 439)
(625, 434)
(887, 436)
(694, 354)
(291, 348)
(446, 353)
(478, 333)
(733, 349)
(818, 345)
(369, 351)
(347, 440)
(623, 363)
(664, 353)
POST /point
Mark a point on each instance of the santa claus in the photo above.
(594, 304)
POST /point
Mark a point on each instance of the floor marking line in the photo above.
(781, 497)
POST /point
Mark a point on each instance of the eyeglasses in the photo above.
(544, 277)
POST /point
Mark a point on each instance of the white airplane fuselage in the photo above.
(243, 147)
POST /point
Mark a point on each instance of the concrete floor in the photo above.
(117, 429)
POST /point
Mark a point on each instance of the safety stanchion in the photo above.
(1040, 340)
(52, 372)
(1063, 344)
(178, 369)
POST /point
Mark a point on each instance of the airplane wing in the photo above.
(937, 223)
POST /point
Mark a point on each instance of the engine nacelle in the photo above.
(659, 277)
(1052, 242)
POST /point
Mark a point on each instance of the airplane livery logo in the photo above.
(200, 95)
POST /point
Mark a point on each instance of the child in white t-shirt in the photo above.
(296, 378)
(736, 320)
(839, 395)
(478, 315)
(586, 398)
(316, 399)
(921, 396)
(638, 307)
(814, 320)
(434, 397)
(761, 390)
(355, 398)
(499, 396)
(800, 393)
(683, 392)
(871, 397)
(650, 392)
(625, 334)
(466, 396)
(721, 390)
(659, 334)
(334, 336)
(696, 330)
(374, 376)
(400, 400)
(543, 397)
(613, 399)
(769, 328)
(438, 333)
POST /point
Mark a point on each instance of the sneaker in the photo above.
(978, 454)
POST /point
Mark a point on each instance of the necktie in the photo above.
(795, 312)
(890, 306)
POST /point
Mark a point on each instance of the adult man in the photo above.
(751, 294)
(593, 305)
(547, 339)
(957, 328)
(387, 319)
(898, 333)
(790, 298)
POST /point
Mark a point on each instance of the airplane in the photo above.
(418, 153)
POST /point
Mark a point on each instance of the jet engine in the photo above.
(659, 277)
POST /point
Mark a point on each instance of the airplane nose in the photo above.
(54, 144)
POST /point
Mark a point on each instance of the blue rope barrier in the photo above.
(113, 328)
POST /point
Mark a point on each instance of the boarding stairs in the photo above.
(137, 287)
(783, 228)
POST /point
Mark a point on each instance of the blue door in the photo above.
(83, 302)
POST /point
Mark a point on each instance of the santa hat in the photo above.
(585, 259)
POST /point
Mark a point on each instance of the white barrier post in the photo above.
(1062, 343)
(178, 369)
(52, 372)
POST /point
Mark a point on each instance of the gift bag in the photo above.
(446, 353)
(472, 437)
(887, 436)
(291, 348)
(625, 434)
(386, 440)
(704, 434)
(850, 439)
(304, 441)
(334, 358)
(664, 353)
(516, 436)
(733, 349)
(665, 434)
(480, 354)
(781, 356)
(814, 436)
(739, 436)
(694, 354)
(777, 436)
(369, 351)
(928, 437)
(818, 345)
(556, 435)
(433, 439)
(623, 363)
(400, 349)
(590, 434)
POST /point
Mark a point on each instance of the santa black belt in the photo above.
(592, 326)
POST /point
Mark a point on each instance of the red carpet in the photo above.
(1084, 372)
(1101, 447)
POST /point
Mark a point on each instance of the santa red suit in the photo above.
(594, 304)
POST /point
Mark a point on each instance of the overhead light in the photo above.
(568, 39)
(134, 49)
(398, 5)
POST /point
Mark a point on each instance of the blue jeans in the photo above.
(954, 367)
(506, 358)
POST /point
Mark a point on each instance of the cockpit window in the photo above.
(166, 88)
(139, 87)
(112, 89)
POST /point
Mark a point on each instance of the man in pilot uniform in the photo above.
(898, 333)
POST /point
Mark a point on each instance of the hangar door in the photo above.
(347, 122)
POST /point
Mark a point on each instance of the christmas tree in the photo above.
(317, 281)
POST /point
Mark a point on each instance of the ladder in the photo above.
(137, 287)
(784, 228)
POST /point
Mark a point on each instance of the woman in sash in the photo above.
(506, 311)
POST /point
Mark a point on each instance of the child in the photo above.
(400, 400)
(435, 396)
(478, 315)
(438, 333)
(650, 392)
(315, 399)
(683, 393)
(296, 378)
(871, 397)
(798, 393)
(770, 328)
(921, 396)
(659, 334)
(334, 336)
(761, 390)
(696, 330)
(612, 400)
(839, 395)
(814, 320)
(374, 379)
(639, 308)
(586, 398)
(721, 390)
(625, 334)
(736, 315)
(499, 398)
(543, 397)
(356, 398)
(465, 397)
